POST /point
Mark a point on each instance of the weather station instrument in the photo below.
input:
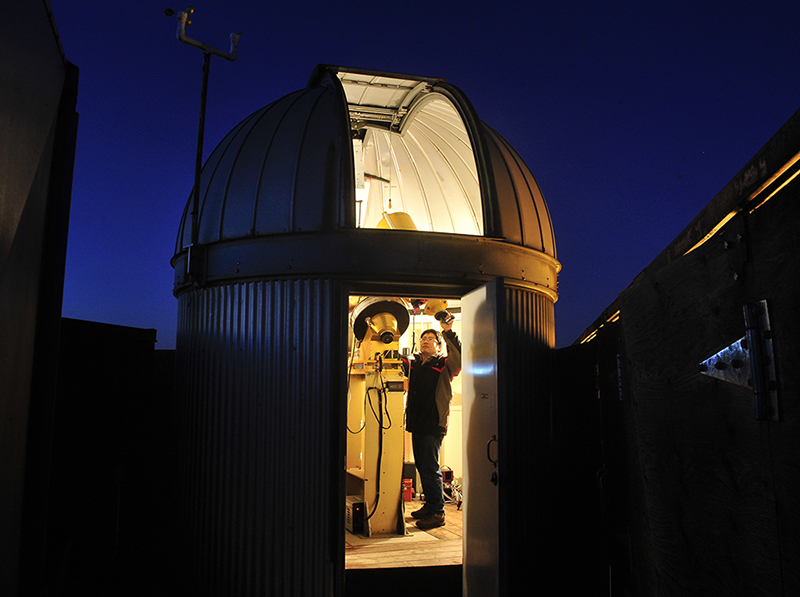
(196, 256)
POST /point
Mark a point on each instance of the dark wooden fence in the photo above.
(700, 494)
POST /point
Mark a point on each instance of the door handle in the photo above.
(493, 479)
(489, 450)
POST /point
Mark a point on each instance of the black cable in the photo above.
(377, 416)
(381, 389)
(385, 399)
(380, 455)
(383, 407)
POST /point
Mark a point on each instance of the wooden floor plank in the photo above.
(436, 547)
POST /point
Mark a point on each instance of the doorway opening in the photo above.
(382, 487)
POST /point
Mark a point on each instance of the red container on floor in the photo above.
(408, 490)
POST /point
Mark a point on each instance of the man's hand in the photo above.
(446, 325)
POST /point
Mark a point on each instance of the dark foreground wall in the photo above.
(38, 92)
(110, 499)
(701, 497)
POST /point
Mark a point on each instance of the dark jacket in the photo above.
(429, 391)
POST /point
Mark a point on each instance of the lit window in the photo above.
(414, 164)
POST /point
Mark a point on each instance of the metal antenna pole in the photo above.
(198, 161)
(183, 21)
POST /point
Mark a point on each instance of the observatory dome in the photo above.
(363, 183)
(359, 151)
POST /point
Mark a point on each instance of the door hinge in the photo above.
(750, 362)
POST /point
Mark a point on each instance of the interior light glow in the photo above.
(768, 183)
(773, 178)
(590, 337)
(773, 193)
(362, 196)
(411, 141)
(713, 231)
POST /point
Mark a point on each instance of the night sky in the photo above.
(632, 116)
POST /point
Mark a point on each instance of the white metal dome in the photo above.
(361, 164)
(315, 160)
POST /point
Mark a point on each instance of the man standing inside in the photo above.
(427, 412)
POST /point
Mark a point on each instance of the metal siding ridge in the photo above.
(244, 151)
(516, 172)
(509, 218)
(524, 417)
(275, 125)
(430, 133)
(542, 213)
(302, 137)
(182, 242)
(319, 255)
(209, 172)
(256, 368)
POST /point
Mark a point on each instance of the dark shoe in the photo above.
(431, 522)
(423, 512)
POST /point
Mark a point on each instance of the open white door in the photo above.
(481, 568)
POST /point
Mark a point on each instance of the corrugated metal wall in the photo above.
(261, 388)
(531, 316)
(526, 337)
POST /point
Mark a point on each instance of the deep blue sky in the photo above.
(632, 117)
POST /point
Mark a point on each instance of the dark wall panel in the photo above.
(260, 378)
(110, 502)
(38, 91)
(526, 338)
(713, 492)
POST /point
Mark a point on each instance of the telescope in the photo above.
(438, 308)
(386, 317)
